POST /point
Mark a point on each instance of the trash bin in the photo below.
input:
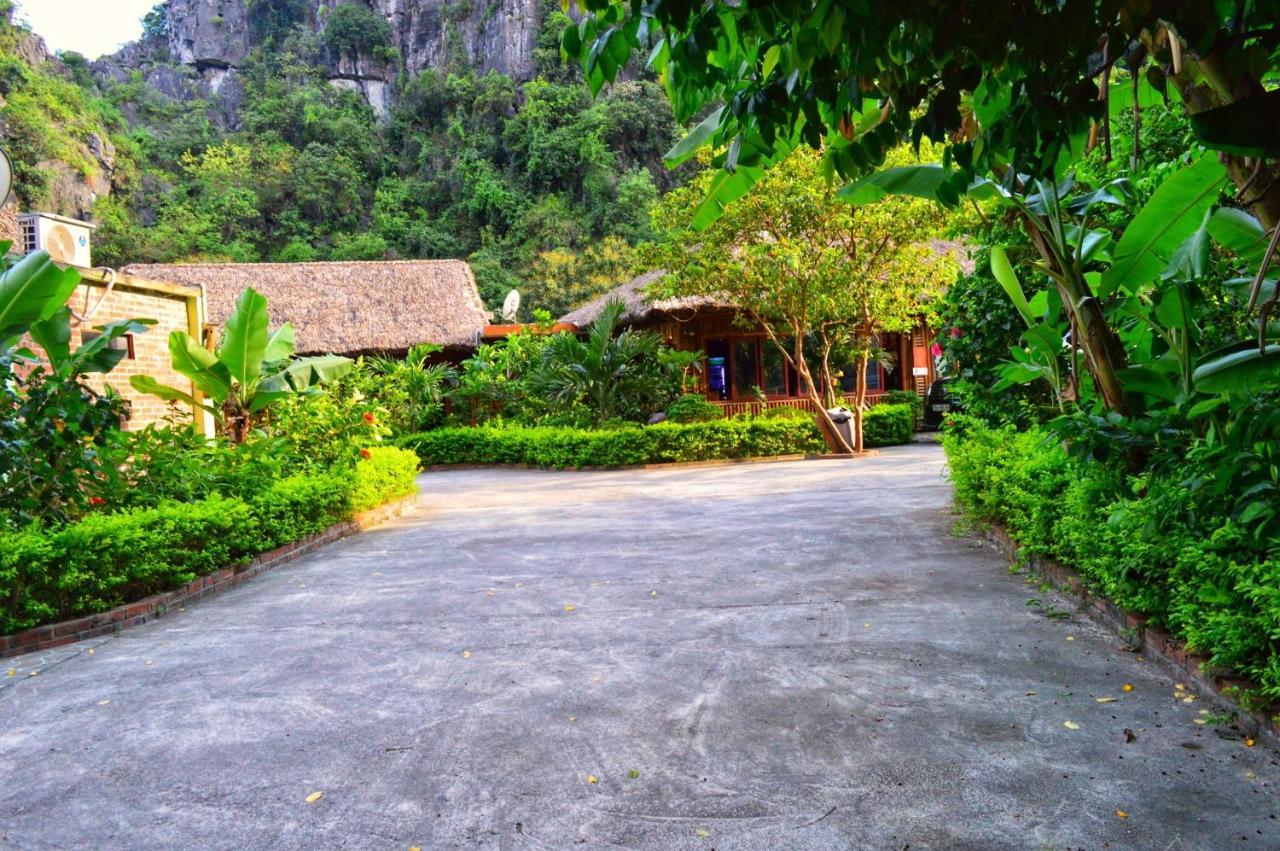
(843, 419)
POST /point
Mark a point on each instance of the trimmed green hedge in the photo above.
(383, 474)
(561, 448)
(1145, 542)
(888, 425)
(104, 560)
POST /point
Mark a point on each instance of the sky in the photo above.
(91, 27)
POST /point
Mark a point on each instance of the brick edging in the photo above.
(158, 605)
(1152, 642)
(658, 465)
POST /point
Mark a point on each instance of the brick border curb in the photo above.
(158, 605)
(1152, 642)
(659, 465)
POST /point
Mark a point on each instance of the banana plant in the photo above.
(31, 290)
(251, 369)
(1040, 358)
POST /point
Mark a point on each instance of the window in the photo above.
(745, 357)
(775, 371)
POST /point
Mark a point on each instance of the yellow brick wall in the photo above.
(151, 348)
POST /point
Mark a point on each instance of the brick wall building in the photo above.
(104, 297)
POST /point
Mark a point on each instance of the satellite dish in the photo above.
(511, 306)
(6, 177)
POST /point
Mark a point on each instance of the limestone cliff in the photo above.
(211, 38)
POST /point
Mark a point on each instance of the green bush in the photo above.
(302, 505)
(568, 447)
(383, 473)
(107, 559)
(693, 408)
(905, 397)
(888, 425)
(1147, 542)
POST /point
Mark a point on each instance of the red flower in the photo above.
(955, 333)
(365, 453)
(97, 500)
(369, 418)
(935, 350)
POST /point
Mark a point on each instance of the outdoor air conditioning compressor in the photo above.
(66, 240)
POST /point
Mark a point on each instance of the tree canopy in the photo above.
(810, 268)
(1006, 84)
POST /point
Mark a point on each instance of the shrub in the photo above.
(302, 505)
(905, 397)
(107, 559)
(1148, 542)
(387, 473)
(568, 447)
(888, 425)
(693, 408)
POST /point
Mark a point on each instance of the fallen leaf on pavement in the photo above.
(1248, 742)
(1071, 725)
(104, 702)
(1127, 687)
(1031, 694)
(702, 833)
(1121, 814)
(633, 774)
(11, 672)
(1107, 699)
(592, 779)
(466, 654)
(1130, 736)
(314, 796)
(569, 607)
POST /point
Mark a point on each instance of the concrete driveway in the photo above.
(788, 655)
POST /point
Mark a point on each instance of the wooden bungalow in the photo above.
(739, 358)
(348, 308)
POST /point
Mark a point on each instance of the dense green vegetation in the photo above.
(539, 186)
(559, 447)
(1117, 346)
(625, 444)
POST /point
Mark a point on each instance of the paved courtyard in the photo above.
(766, 656)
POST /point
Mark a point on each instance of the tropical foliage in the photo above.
(807, 266)
(251, 369)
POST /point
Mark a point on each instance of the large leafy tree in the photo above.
(1015, 89)
(1006, 82)
(805, 265)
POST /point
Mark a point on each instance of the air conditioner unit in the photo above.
(66, 240)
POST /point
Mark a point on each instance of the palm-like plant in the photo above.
(609, 373)
(417, 387)
(251, 369)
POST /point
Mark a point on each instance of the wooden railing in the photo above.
(754, 407)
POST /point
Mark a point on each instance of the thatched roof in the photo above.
(639, 305)
(347, 307)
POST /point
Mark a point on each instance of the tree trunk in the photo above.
(860, 399)
(1104, 354)
(835, 440)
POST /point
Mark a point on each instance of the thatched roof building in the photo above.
(638, 305)
(347, 307)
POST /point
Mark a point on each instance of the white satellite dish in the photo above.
(511, 306)
(6, 178)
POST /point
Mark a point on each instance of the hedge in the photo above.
(107, 559)
(1132, 539)
(561, 448)
(888, 425)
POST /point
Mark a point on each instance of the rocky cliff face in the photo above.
(211, 38)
